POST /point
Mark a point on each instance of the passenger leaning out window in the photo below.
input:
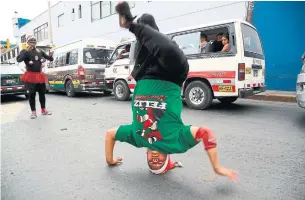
(226, 43)
(124, 53)
(203, 42)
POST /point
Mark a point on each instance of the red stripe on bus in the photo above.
(212, 74)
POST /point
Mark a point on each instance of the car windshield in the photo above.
(96, 56)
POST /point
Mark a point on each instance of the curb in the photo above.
(275, 97)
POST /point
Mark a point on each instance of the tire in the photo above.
(69, 88)
(121, 91)
(107, 92)
(227, 100)
(201, 102)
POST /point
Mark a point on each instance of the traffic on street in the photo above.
(61, 156)
(152, 100)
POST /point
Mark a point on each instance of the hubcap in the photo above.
(196, 95)
(119, 90)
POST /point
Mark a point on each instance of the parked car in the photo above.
(301, 85)
(10, 80)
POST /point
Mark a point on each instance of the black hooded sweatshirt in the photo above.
(157, 56)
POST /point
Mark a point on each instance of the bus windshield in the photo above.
(252, 42)
(96, 56)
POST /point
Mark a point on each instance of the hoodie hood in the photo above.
(149, 20)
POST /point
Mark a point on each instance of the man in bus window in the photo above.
(203, 42)
(34, 78)
(218, 43)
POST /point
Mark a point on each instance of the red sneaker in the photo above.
(33, 115)
(45, 112)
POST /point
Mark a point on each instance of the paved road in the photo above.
(61, 156)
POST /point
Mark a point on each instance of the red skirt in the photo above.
(34, 77)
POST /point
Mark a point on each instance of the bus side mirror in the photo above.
(125, 55)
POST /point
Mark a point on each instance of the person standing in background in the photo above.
(34, 78)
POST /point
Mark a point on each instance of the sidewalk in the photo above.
(273, 95)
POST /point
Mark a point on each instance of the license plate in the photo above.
(255, 73)
(225, 88)
(10, 81)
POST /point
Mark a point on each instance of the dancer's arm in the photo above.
(207, 137)
(109, 146)
(21, 57)
(50, 58)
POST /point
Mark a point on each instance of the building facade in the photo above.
(74, 20)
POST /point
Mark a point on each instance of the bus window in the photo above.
(252, 44)
(73, 58)
(96, 55)
(188, 43)
(115, 54)
(62, 60)
(1, 58)
(9, 55)
(13, 52)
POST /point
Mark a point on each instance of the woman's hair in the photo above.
(226, 35)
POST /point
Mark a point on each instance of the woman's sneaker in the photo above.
(33, 115)
(45, 112)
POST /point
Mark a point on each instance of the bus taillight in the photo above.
(241, 71)
(81, 72)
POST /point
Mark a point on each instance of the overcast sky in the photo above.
(27, 9)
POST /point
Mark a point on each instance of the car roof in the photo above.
(10, 69)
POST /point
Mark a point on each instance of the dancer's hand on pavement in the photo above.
(116, 161)
(231, 174)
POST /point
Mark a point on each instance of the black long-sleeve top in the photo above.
(36, 56)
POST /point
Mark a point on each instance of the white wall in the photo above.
(169, 16)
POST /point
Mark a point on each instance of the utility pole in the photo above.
(50, 23)
(250, 8)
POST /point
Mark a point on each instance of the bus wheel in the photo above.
(69, 87)
(121, 91)
(198, 95)
(227, 100)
